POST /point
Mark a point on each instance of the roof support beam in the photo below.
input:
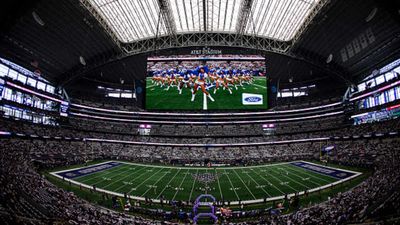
(205, 15)
(165, 12)
(202, 39)
(244, 12)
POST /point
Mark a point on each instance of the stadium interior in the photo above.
(200, 112)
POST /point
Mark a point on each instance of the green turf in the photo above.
(158, 98)
(229, 184)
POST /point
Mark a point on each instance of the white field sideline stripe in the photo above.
(212, 122)
(206, 114)
(97, 164)
(260, 86)
(356, 174)
(204, 101)
(205, 145)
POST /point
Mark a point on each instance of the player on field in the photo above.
(172, 79)
(164, 78)
(213, 77)
(229, 79)
(221, 82)
(236, 79)
(201, 82)
(156, 78)
(185, 80)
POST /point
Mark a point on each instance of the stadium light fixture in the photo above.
(37, 18)
(371, 15)
(82, 60)
(329, 59)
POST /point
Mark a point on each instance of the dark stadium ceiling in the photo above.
(359, 34)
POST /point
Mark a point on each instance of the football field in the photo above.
(159, 98)
(247, 184)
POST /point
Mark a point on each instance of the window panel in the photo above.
(31, 82)
(397, 70)
(397, 92)
(41, 86)
(17, 113)
(287, 94)
(12, 74)
(382, 98)
(389, 76)
(391, 95)
(380, 79)
(113, 95)
(50, 89)
(22, 78)
(361, 87)
(126, 95)
(3, 70)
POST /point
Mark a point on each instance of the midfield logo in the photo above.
(205, 177)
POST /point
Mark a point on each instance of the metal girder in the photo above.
(166, 14)
(195, 40)
(205, 15)
(244, 12)
(184, 40)
(206, 39)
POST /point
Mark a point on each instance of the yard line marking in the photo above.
(259, 86)
(205, 186)
(296, 182)
(259, 174)
(191, 192)
(130, 181)
(116, 175)
(194, 168)
(310, 173)
(135, 188)
(219, 186)
(233, 188)
(124, 177)
(258, 184)
(105, 171)
(318, 184)
(158, 180)
(294, 174)
(176, 192)
(204, 101)
(244, 184)
(179, 170)
(281, 184)
(150, 86)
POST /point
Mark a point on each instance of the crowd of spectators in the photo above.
(28, 198)
(192, 135)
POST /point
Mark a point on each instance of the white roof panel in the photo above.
(133, 20)
(278, 19)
